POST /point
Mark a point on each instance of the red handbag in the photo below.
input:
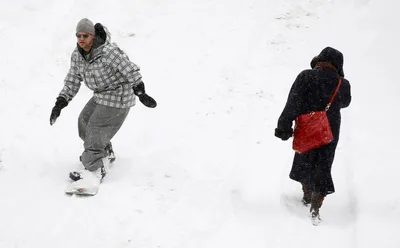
(313, 130)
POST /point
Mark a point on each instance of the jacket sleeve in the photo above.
(120, 61)
(292, 108)
(345, 94)
(72, 81)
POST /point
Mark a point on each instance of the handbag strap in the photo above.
(334, 94)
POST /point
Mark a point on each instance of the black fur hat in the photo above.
(332, 56)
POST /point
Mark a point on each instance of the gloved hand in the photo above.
(147, 100)
(100, 32)
(283, 134)
(55, 112)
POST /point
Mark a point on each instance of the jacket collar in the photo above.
(97, 43)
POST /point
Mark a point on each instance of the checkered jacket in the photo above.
(108, 73)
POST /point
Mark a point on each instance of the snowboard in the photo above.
(82, 188)
(84, 183)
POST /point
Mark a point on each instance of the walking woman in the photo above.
(312, 91)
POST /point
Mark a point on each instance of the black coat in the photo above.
(312, 91)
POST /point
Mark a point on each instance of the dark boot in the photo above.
(316, 202)
(306, 194)
(110, 153)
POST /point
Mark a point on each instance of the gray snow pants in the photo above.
(97, 125)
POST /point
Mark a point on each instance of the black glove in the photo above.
(100, 32)
(147, 100)
(283, 134)
(55, 113)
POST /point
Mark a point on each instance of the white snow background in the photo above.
(203, 169)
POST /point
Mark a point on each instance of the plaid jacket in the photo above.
(108, 73)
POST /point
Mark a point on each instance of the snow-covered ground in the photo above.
(203, 169)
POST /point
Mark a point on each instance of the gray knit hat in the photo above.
(85, 25)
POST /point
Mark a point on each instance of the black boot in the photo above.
(110, 153)
(306, 194)
(316, 202)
